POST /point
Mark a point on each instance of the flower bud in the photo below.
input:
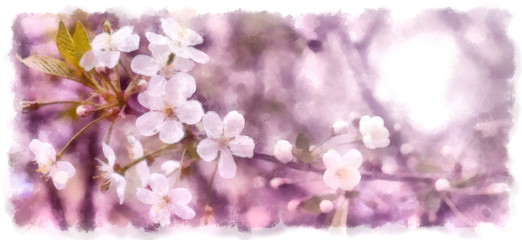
(442, 184)
(340, 127)
(84, 110)
(29, 106)
(142, 85)
(326, 206)
(293, 204)
(277, 182)
(283, 151)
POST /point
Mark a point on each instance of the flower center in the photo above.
(343, 173)
(169, 111)
(223, 142)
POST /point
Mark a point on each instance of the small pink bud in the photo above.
(84, 110)
(442, 184)
(283, 151)
(293, 204)
(326, 206)
(340, 127)
(142, 85)
(277, 182)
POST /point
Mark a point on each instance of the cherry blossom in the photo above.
(180, 40)
(374, 133)
(341, 172)
(169, 110)
(112, 178)
(224, 138)
(45, 155)
(160, 67)
(283, 151)
(164, 200)
(106, 48)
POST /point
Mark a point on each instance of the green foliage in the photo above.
(72, 48)
(65, 45)
(51, 66)
(80, 41)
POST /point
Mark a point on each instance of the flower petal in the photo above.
(159, 184)
(181, 84)
(169, 166)
(197, 55)
(242, 146)
(150, 123)
(147, 196)
(172, 131)
(61, 173)
(66, 167)
(353, 158)
(233, 124)
(330, 179)
(160, 214)
(155, 103)
(143, 172)
(155, 38)
(350, 180)
(212, 124)
(145, 65)
(101, 42)
(183, 64)
(180, 196)
(171, 28)
(183, 211)
(226, 165)
(332, 159)
(107, 58)
(109, 154)
(88, 61)
(44, 152)
(136, 147)
(207, 149)
(156, 85)
(124, 40)
(160, 52)
(120, 183)
(190, 112)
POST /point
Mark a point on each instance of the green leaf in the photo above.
(80, 41)
(51, 66)
(302, 142)
(65, 45)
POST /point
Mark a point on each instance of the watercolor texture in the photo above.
(252, 119)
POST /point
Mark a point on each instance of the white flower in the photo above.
(374, 133)
(224, 138)
(169, 110)
(341, 172)
(161, 66)
(45, 156)
(111, 178)
(106, 48)
(283, 151)
(165, 201)
(180, 40)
